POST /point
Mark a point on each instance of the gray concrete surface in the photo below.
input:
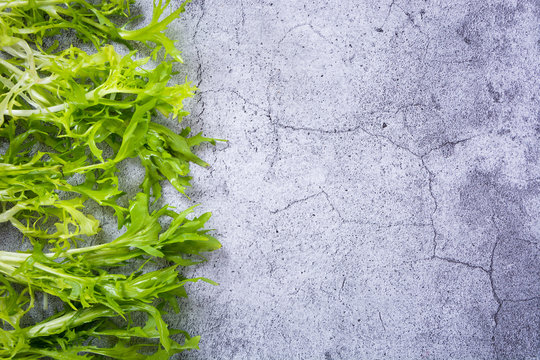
(380, 194)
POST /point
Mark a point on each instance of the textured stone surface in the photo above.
(380, 193)
(379, 196)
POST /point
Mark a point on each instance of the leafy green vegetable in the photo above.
(33, 20)
(68, 118)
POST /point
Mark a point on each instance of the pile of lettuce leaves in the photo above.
(68, 119)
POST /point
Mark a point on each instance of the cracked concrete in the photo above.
(379, 196)
(380, 193)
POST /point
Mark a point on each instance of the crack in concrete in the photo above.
(346, 221)
(357, 128)
(454, 261)
(312, 28)
(197, 25)
(381, 28)
(322, 36)
(291, 29)
(342, 286)
(409, 16)
(199, 70)
(321, 131)
(235, 92)
(274, 122)
(492, 283)
(275, 132)
(450, 143)
(431, 177)
(381, 320)
(295, 202)
(241, 23)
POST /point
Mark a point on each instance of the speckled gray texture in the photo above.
(380, 193)
(379, 197)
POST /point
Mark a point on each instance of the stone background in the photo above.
(379, 196)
